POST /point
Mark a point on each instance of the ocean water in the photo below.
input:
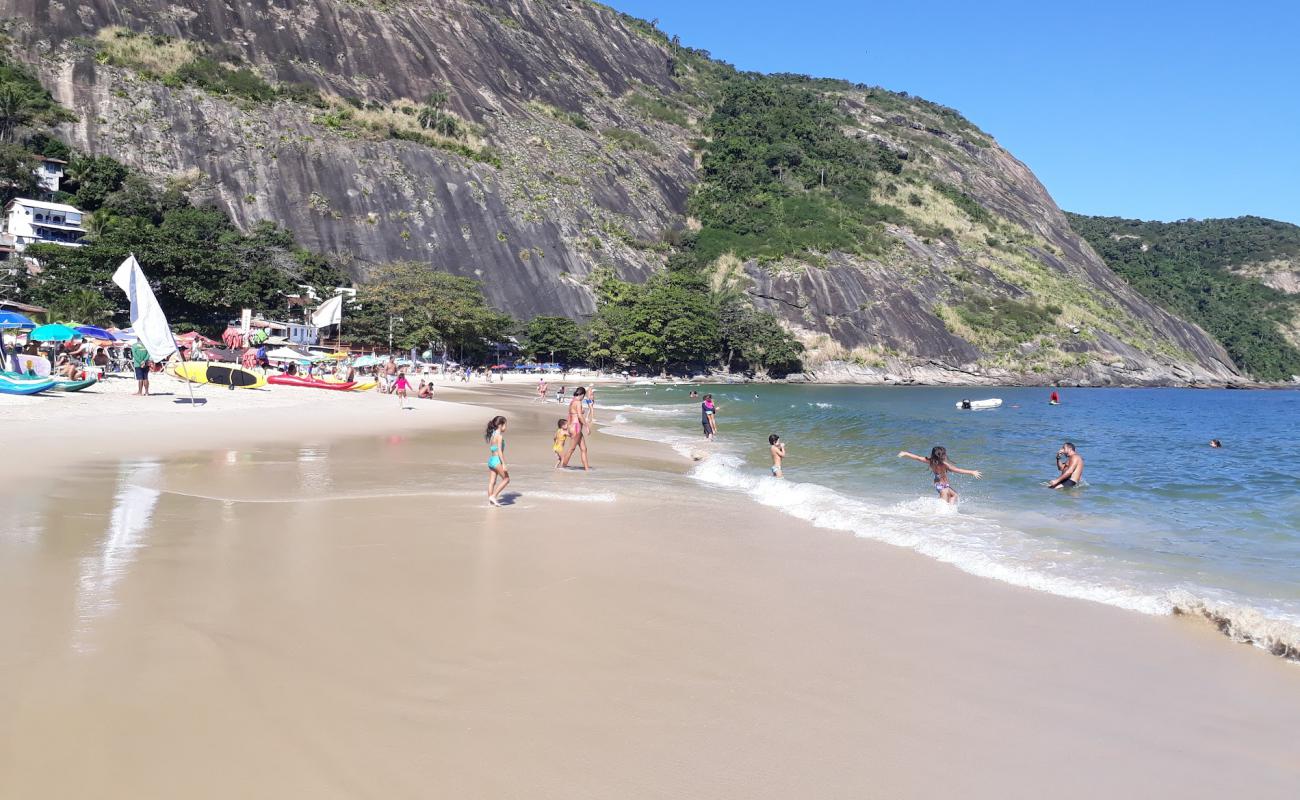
(1163, 523)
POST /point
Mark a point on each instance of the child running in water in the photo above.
(498, 474)
(940, 466)
(561, 436)
(778, 454)
(400, 387)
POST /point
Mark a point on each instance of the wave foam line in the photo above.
(1245, 625)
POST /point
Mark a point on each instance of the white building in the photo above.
(289, 332)
(32, 222)
(49, 173)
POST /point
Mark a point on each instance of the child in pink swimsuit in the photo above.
(400, 388)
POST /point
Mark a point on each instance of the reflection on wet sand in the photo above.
(133, 508)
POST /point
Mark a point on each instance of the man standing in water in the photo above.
(1071, 470)
(577, 430)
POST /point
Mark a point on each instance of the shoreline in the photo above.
(711, 636)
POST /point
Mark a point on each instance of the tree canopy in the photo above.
(427, 309)
(557, 339)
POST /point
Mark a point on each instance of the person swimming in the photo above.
(1216, 443)
(941, 467)
(1071, 471)
(498, 473)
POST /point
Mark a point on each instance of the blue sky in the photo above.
(1154, 110)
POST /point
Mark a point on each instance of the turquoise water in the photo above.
(1163, 522)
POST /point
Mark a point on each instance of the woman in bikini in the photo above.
(941, 467)
(577, 430)
(498, 474)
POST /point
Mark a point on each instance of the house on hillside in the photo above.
(27, 222)
(49, 173)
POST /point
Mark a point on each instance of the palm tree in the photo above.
(97, 223)
(86, 306)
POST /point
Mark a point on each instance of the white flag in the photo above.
(329, 312)
(147, 318)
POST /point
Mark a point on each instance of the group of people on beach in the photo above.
(571, 435)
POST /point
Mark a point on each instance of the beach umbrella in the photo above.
(54, 333)
(11, 319)
(95, 333)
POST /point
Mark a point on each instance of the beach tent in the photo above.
(285, 354)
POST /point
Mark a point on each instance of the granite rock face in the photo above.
(586, 178)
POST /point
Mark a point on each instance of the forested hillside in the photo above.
(577, 162)
(1236, 278)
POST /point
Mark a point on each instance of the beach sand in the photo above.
(288, 613)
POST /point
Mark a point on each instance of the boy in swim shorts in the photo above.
(778, 453)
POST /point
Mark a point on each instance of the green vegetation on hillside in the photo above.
(203, 267)
(1183, 266)
(676, 322)
(424, 308)
(779, 177)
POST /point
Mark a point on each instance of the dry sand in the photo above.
(329, 618)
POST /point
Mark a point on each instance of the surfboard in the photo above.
(219, 375)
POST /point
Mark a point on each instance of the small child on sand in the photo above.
(940, 466)
(561, 436)
(400, 388)
(778, 453)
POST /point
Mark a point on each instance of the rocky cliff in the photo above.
(565, 139)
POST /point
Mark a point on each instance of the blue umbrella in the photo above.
(10, 319)
(96, 333)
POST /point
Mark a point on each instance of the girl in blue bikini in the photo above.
(940, 466)
(498, 475)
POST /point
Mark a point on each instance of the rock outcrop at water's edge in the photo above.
(577, 152)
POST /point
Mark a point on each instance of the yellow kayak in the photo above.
(360, 387)
(219, 375)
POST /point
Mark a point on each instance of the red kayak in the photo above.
(310, 383)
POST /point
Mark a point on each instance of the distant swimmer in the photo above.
(1216, 443)
(1071, 468)
(778, 455)
(940, 466)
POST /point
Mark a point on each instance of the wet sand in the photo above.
(346, 618)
